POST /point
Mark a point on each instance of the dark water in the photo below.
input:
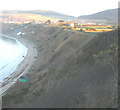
(11, 55)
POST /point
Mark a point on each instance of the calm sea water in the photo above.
(12, 53)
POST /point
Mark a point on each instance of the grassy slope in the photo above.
(26, 17)
(50, 14)
(103, 15)
(66, 74)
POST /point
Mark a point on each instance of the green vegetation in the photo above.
(106, 56)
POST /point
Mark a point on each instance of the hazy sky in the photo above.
(70, 7)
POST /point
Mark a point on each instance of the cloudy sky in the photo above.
(69, 7)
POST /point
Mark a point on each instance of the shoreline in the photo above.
(10, 40)
(22, 68)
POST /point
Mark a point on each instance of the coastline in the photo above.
(22, 68)
(65, 74)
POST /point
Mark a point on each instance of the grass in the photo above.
(66, 70)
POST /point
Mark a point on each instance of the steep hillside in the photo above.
(72, 69)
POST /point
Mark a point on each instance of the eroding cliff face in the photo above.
(72, 69)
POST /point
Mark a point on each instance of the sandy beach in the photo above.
(23, 67)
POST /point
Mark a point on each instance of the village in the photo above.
(87, 27)
(83, 27)
(67, 25)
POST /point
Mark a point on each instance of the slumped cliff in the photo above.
(72, 69)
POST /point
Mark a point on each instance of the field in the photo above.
(88, 28)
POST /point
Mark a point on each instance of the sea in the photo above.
(12, 53)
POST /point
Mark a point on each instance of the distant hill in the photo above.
(50, 14)
(108, 15)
